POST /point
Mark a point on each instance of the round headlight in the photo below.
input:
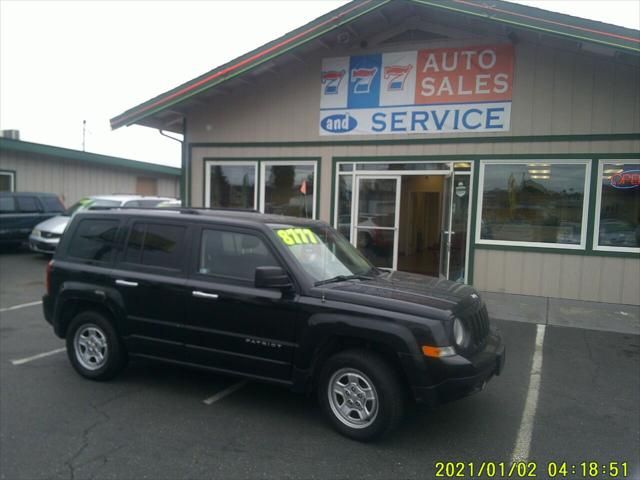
(459, 333)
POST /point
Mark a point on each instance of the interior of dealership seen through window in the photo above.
(289, 189)
(533, 202)
(232, 185)
(282, 187)
(407, 215)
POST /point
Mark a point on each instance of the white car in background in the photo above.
(46, 235)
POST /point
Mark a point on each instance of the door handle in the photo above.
(126, 283)
(199, 294)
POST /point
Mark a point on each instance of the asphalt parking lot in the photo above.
(156, 421)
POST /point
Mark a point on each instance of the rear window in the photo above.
(28, 204)
(94, 240)
(52, 204)
(7, 205)
(155, 245)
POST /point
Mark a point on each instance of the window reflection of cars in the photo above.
(370, 235)
(618, 233)
(569, 232)
(46, 235)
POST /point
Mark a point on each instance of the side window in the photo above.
(233, 254)
(94, 240)
(28, 204)
(155, 245)
(7, 205)
(52, 204)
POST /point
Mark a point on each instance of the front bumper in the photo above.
(43, 245)
(455, 377)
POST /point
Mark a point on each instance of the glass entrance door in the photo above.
(455, 220)
(445, 243)
(376, 220)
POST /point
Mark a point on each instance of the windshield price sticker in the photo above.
(297, 236)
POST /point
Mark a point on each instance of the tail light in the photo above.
(47, 277)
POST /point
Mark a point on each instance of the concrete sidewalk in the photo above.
(608, 317)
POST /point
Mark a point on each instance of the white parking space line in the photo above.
(22, 361)
(24, 305)
(227, 391)
(523, 442)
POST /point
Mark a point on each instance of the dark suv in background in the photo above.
(21, 211)
(272, 298)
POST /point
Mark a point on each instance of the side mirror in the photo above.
(272, 277)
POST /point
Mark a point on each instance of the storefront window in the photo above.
(533, 202)
(232, 185)
(289, 189)
(618, 223)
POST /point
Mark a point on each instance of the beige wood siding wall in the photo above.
(578, 277)
(73, 180)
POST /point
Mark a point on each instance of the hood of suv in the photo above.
(407, 293)
(54, 225)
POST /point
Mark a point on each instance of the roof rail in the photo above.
(188, 210)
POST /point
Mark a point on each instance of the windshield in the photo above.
(92, 203)
(323, 252)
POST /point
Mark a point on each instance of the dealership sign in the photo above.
(426, 91)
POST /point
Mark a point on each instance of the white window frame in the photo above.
(596, 224)
(586, 163)
(232, 163)
(12, 176)
(276, 163)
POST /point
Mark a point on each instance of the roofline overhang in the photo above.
(564, 26)
(8, 144)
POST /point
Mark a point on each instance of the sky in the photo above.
(64, 62)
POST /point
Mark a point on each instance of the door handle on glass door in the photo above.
(198, 294)
(125, 283)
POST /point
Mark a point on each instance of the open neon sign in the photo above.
(625, 180)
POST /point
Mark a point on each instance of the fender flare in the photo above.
(104, 297)
(324, 328)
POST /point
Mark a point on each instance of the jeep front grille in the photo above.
(477, 324)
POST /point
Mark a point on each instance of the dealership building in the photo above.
(485, 142)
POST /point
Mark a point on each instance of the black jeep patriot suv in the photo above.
(271, 298)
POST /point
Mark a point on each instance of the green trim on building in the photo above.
(7, 144)
(259, 160)
(561, 251)
(430, 141)
(544, 21)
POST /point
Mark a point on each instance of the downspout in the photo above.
(184, 195)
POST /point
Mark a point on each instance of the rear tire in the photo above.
(93, 346)
(361, 395)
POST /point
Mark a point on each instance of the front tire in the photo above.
(361, 395)
(93, 346)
